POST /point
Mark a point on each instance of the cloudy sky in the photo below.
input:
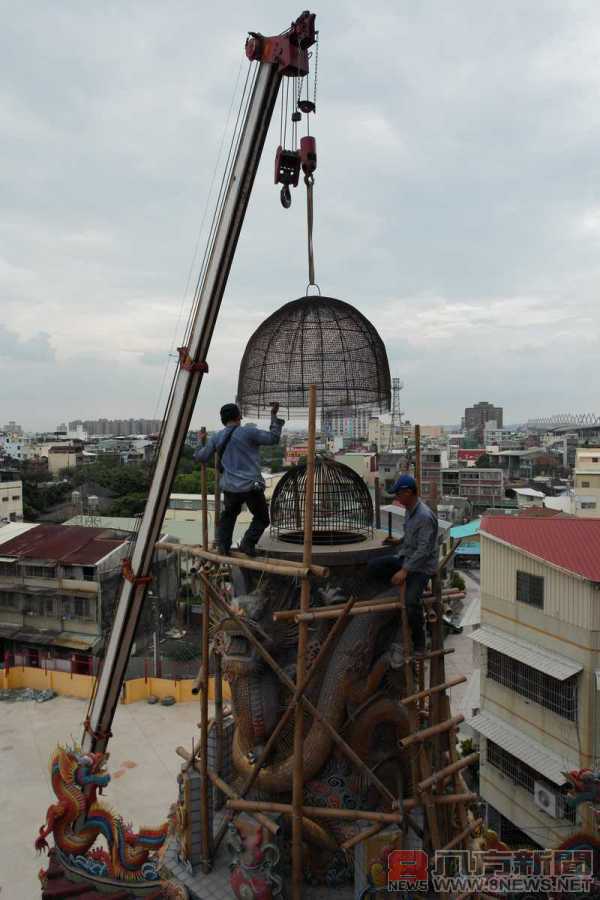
(457, 199)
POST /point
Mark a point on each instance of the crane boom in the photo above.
(283, 55)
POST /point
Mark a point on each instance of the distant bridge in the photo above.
(565, 422)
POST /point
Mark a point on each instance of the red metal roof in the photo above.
(70, 544)
(570, 543)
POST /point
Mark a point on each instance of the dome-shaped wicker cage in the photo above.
(342, 511)
(314, 340)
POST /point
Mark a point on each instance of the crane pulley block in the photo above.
(287, 166)
(308, 154)
(289, 51)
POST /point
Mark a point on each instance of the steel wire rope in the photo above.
(218, 208)
(200, 231)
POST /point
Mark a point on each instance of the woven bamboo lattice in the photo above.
(343, 509)
(320, 341)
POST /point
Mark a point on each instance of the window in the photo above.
(558, 696)
(17, 497)
(530, 589)
(585, 484)
(88, 573)
(588, 505)
(8, 600)
(39, 571)
(81, 608)
(594, 459)
(49, 606)
(5, 499)
(7, 568)
(521, 774)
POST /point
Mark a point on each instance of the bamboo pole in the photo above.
(218, 680)
(463, 834)
(418, 457)
(298, 773)
(436, 689)
(206, 862)
(320, 812)
(377, 504)
(419, 736)
(321, 655)
(319, 614)
(217, 492)
(218, 782)
(428, 600)
(440, 774)
(204, 493)
(274, 566)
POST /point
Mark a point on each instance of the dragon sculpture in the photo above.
(76, 779)
(584, 787)
(356, 690)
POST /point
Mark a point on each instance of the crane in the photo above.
(278, 57)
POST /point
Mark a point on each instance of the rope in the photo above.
(309, 182)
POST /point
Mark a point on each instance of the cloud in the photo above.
(14, 349)
(455, 200)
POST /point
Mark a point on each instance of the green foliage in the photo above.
(38, 498)
(457, 581)
(190, 483)
(129, 505)
(467, 747)
(110, 473)
(484, 462)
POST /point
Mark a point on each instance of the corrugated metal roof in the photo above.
(553, 664)
(62, 543)
(34, 636)
(14, 529)
(524, 748)
(469, 530)
(473, 614)
(74, 641)
(569, 543)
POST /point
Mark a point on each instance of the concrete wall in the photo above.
(68, 685)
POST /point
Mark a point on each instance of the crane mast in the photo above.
(278, 57)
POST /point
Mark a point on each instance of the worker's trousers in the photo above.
(383, 569)
(234, 501)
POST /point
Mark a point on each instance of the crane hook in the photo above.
(285, 196)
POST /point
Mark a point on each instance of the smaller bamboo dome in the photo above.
(343, 509)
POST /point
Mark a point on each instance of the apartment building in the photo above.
(346, 421)
(11, 496)
(58, 585)
(587, 482)
(540, 671)
(481, 487)
(433, 461)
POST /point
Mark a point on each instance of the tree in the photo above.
(484, 462)
(190, 484)
(129, 505)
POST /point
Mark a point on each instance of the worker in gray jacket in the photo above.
(417, 560)
(238, 458)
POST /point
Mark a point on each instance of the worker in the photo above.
(417, 560)
(238, 459)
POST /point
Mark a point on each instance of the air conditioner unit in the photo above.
(545, 799)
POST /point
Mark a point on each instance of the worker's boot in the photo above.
(247, 548)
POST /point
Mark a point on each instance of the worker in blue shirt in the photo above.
(238, 459)
(417, 560)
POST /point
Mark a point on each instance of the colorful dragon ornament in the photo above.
(78, 819)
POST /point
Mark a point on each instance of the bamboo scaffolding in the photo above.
(204, 493)
(266, 564)
(286, 680)
(218, 782)
(298, 773)
(322, 654)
